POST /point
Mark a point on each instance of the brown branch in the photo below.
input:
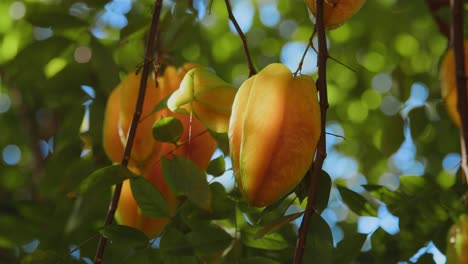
(321, 148)
(457, 40)
(441, 2)
(252, 70)
(133, 127)
(434, 6)
(26, 117)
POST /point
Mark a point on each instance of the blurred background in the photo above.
(387, 123)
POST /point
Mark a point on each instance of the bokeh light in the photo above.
(11, 155)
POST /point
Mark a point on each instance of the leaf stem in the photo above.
(321, 148)
(133, 127)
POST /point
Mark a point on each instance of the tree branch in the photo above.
(457, 40)
(321, 148)
(441, 2)
(434, 6)
(26, 117)
(133, 127)
(252, 70)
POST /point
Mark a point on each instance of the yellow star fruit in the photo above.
(448, 83)
(273, 133)
(336, 12)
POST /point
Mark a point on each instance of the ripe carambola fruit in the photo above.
(273, 133)
(118, 116)
(111, 139)
(448, 83)
(198, 148)
(336, 12)
(457, 242)
(143, 144)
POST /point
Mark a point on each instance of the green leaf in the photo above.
(121, 235)
(174, 243)
(184, 177)
(22, 64)
(217, 167)
(319, 245)
(275, 210)
(277, 224)
(235, 253)
(45, 15)
(412, 184)
(222, 140)
(178, 27)
(381, 192)
(168, 129)
(272, 241)
(354, 201)
(302, 189)
(42, 257)
(181, 260)
(258, 260)
(149, 198)
(105, 178)
(392, 135)
(323, 191)
(349, 248)
(136, 28)
(223, 206)
(144, 256)
(209, 240)
(103, 58)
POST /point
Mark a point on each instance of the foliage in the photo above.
(392, 148)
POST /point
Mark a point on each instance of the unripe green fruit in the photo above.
(205, 95)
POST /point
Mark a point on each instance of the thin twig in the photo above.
(133, 127)
(309, 45)
(179, 145)
(332, 58)
(456, 33)
(252, 70)
(77, 248)
(321, 148)
(335, 135)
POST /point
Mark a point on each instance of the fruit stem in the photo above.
(321, 147)
(457, 40)
(252, 70)
(133, 127)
